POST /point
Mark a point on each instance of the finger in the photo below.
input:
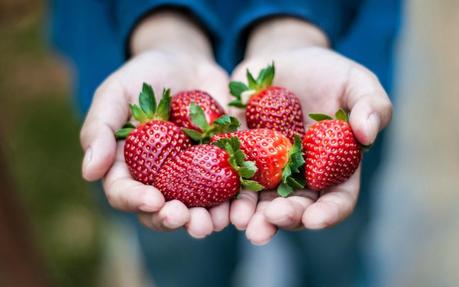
(242, 208)
(259, 230)
(124, 193)
(371, 109)
(108, 112)
(200, 224)
(334, 205)
(215, 81)
(220, 216)
(174, 214)
(287, 213)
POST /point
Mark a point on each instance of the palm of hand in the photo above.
(322, 79)
(324, 82)
(109, 111)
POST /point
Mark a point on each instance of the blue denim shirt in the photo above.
(93, 33)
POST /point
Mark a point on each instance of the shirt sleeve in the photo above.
(128, 13)
(333, 17)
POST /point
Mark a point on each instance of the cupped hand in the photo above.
(104, 155)
(324, 81)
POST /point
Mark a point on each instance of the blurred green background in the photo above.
(40, 142)
(414, 240)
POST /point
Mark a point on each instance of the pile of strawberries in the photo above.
(188, 148)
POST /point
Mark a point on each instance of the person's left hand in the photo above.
(324, 81)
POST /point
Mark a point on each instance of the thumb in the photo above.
(108, 112)
(371, 109)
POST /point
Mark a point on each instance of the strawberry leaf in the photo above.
(239, 156)
(193, 134)
(128, 125)
(162, 113)
(292, 169)
(320, 117)
(247, 169)
(284, 190)
(251, 185)
(236, 88)
(296, 182)
(252, 83)
(342, 115)
(225, 124)
(138, 114)
(221, 143)
(147, 100)
(198, 118)
(265, 77)
(237, 104)
(296, 159)
(123, 133)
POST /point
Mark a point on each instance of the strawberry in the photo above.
(150, 144)
(277, 159)
(206, 175)
(180, 108)
(268, 106)
(331, 150)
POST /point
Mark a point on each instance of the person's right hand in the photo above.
(179, 58)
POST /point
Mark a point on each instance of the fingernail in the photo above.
(372, 127)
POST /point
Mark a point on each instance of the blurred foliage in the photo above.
(41, 142)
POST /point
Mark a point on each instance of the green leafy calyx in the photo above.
(292, 178)
(242, 92)
(339, 115)
(224, 124)
(147, 109)
(245, 169)
(124, 131)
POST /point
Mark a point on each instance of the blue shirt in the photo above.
(93, 33)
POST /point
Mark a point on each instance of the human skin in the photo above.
(168, 50)
(324, 81)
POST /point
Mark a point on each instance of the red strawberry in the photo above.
(277, 160)
(331, 150)
(149, 145)
(268, 106)
(180, 108)
(206, 175)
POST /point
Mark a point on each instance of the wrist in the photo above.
(280, 34)
(173, 32)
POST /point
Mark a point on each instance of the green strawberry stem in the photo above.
(292, 175)
(224, 124)
(245, 169)
(339, 115)
(242, 92)
(147, 109)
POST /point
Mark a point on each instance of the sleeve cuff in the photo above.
(130, 13)
(326, 18)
